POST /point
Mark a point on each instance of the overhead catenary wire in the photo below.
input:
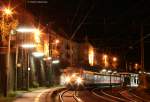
(83, 20)
(76, 13)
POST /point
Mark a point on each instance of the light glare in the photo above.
(28, 45)
(67, 80)
(7, 11)
(26, 30)
(38, 54)
(55, 61)
(79, 81)
(104, 70)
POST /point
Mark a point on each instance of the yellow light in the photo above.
(55, 61)
(114, 59)
(37, 33)
(26, 30)
(56, 41)
(105, 58)
(38, 54)
(104, 70)
(79, 81)
(67, 80)
(7, 11)
(91, 56)
(136, 66)
(28, 45)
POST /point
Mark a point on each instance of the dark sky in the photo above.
(111, 25)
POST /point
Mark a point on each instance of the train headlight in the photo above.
(79, 81)
(67, 80)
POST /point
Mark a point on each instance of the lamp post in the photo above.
(6, 12)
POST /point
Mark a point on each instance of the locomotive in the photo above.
(89, 79)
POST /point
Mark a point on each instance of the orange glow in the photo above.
(46, 48)
(37, 33)
(136, 66)
(7, 11)
(114, 59)
(105, 59)
(91, 56)
(57, 41)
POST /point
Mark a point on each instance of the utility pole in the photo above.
(143, 81)
(142, 49)
(16, 68)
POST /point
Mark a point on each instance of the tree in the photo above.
(6, 25)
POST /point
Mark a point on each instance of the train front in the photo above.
(74, 81)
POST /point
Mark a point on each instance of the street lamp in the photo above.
(114, 62)
(6, 12)
(26, 30)
(114, 59)
(57, 41)
(28, 45)
(136, 66)
(38, 54)
(55, 61)
(91, 56)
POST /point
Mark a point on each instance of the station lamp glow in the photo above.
(28, 45)
(104, 70)
(49, 58)
(114, 59)
(38, 54)
(140, 72)
(37, 33)
(57, 41)
(26, 30)
(91, 56)
(7, 11)
(55, 61)
(114, 72)
(109, 71)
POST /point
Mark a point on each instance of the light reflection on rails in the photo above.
(103, 97)
(132, 97)
(61, 96)
(118, 98)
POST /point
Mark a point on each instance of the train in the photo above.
(100, 79)
(89, 79)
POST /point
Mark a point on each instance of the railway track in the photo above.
(127, 96)
(69, 96)
(132, 97)
(114, 97)
(103, 96)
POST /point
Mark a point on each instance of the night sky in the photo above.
(110, 25)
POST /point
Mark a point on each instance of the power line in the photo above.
(85, 17)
